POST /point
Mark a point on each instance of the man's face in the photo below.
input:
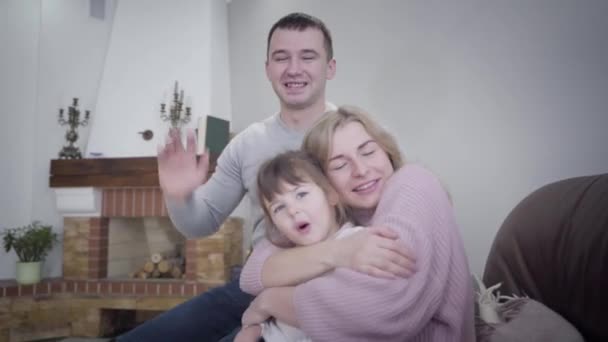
(297, 67)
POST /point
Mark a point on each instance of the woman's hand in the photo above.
(375, 251)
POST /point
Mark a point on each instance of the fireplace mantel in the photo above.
(108, 172)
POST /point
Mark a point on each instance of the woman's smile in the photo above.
(367, 187)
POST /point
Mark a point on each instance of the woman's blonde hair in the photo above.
(318, 140)
(292, 167)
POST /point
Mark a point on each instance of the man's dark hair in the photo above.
(300, 22)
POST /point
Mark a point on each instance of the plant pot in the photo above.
(28, 272)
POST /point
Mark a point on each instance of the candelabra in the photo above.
(176, 114)
(70, 151)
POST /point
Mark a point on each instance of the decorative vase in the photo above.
(28, 272)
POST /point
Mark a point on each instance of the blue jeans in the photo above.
(212, 316)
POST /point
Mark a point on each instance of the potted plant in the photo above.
(31, 244)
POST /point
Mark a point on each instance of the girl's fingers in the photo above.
(398, 247)
(396, 265)
(378, 272)
(384, 232)
(403, 271)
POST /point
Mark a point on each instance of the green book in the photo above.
(214, 132)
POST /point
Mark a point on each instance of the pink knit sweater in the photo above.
(435, 304)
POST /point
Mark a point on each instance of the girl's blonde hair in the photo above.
(319, 139)
(292, 167)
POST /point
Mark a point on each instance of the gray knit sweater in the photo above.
(234, 177)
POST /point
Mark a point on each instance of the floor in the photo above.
(77, 339)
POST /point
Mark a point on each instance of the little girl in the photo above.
(304, 209)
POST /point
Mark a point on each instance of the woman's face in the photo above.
(357, 167)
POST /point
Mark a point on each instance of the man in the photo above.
(299, 63)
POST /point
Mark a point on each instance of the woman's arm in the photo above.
(366, 308)
(373, 251)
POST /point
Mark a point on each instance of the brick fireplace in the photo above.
(90, 194)
(86, 239)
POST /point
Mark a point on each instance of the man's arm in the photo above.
(201, 213)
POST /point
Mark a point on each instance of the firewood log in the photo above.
(176, 272)
(156, 258)
(149, 267)
(164, 266)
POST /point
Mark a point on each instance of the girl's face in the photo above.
(303, 213)
(358, 167)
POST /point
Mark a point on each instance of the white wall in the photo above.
(19, 26)
(56, 51)
(220, 100)
(498, 98)
(53, 51)
(72, 50)
(154, 43)
(62, 57)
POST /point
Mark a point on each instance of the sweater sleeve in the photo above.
(251, 275)
(350, 306)
(210, 204)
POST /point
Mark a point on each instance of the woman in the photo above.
(364, 165)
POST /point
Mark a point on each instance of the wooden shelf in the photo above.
(107, 172)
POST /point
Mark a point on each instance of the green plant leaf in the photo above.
(31, 242)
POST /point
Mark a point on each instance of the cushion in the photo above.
(553, 248)
(510, 319)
